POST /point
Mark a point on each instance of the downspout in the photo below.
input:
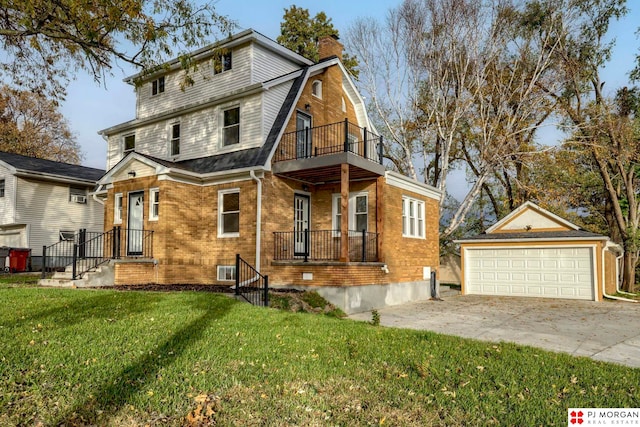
(258, 217)
(94, 196)
(604, 294)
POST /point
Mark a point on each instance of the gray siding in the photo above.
(46, 209)
(7, 203)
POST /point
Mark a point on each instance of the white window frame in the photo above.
(221, 194)
(124, 143)
(223, 270)
(157, 86)
(223, 127)
(172, 125)
(336, 202)
(117, 208)
(154, 202)
(220, 65)
(413, 223)
(77, 195)
(316, 88)
(66, 235)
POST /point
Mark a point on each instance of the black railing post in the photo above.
(237, 274)
(74, 259)
(82, 242)
(116, 242)
(364, 245)
(365, 144)
(44, 261)
(307, 142)
(346, 135)
(380, 150)
(266, 291)
(306, 245)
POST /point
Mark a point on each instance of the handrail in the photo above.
(324, 245)
(330, 139)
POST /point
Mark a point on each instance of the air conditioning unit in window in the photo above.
(77, 198)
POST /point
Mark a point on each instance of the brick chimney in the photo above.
(329, 46)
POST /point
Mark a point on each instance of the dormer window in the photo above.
(316, 89)
(157, 86)
(222, 62)
(129, 143)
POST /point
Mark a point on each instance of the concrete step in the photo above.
(103, 276)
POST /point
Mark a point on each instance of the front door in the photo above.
(135, 223)
(303, 140)
(301, 224)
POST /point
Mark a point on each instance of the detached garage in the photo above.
(534, 253)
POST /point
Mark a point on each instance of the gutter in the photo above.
(258, 217)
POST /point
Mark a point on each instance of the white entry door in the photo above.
(300, 223)
(135, 223)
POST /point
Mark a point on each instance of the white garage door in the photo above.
(540, 272)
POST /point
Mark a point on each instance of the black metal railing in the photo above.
(330, 139)
(324, 245)
(250, 284)
(88, 250)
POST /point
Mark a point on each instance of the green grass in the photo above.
(87, 357)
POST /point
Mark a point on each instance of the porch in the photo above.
(315, 154)
(324, 245)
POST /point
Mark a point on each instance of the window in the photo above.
(154, 204)
(226, 273)
(412, 218)
(66, 236)
(1, 187)
(175, 139)
(358, 210)
(316, 89)
(117, 209)
(231, 126)
(229, 213)
(222, 63)
(129, 143)
(157, 86)
(77, 195)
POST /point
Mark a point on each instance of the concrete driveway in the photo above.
(606, 331)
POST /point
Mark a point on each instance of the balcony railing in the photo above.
(324, 245)
(341, 137)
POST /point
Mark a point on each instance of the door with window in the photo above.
(303, 140)
(135, 223)
(300, 224)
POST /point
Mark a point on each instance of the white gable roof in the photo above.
(531, 217)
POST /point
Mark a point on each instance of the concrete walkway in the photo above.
(607, 331)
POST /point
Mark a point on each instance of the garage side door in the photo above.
(540, 272)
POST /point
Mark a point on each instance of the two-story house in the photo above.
(273, 157)
(43, 202)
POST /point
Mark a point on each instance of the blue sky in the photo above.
(91, 107)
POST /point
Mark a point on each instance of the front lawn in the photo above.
(87, 357)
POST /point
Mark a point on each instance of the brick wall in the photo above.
(327, 274)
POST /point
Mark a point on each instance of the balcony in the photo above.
(324, 245)
(316, 154)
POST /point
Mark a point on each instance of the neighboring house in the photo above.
(534, 253)
(270, 156)
(43, 202)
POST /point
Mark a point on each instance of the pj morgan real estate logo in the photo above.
(603, 417)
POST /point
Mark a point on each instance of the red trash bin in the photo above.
(19, 259)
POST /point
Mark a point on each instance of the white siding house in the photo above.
(44, 200)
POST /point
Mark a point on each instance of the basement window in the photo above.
(226, 273)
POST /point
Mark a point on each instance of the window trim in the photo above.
(222, 268)
(220, 65)
(117, 210)
(77, 195)
(66, 236)
(3, 186)
(223, 127)
(418, 218)
(353, 197)
(157, 86)
(124, 143)
(172, 138)
(221, 194)
(316, 88)
(154, 203)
